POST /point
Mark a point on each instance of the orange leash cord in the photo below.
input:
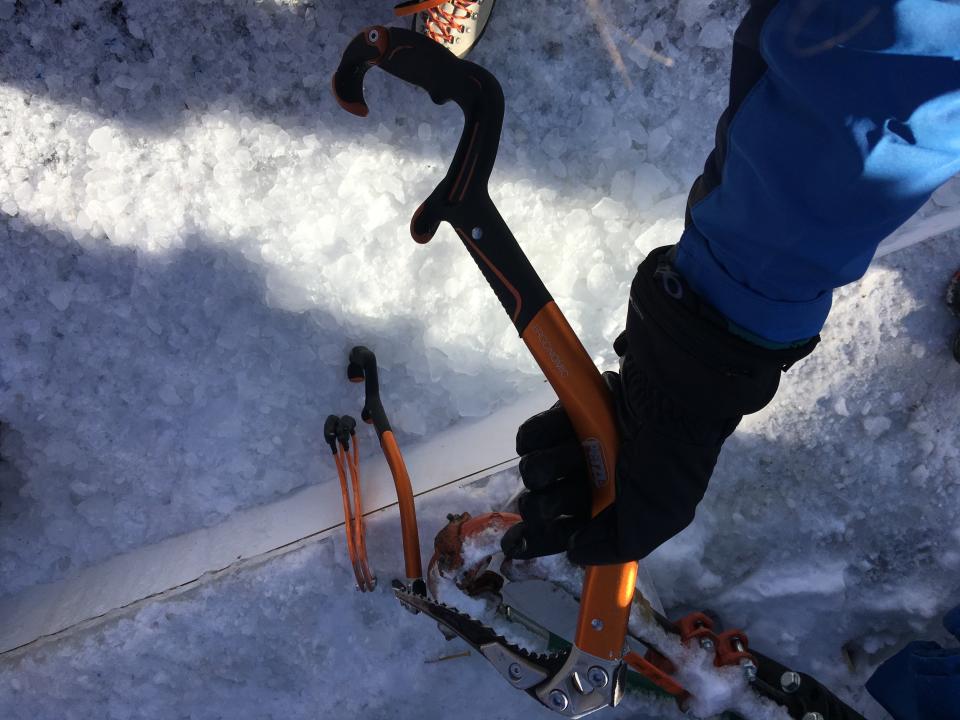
(337, 433)
(359, 527)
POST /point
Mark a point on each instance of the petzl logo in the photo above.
(594, 453)
(551, 351)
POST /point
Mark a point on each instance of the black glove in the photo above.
(685, 381)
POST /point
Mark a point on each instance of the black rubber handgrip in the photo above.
(363, 360)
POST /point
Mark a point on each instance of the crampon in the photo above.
(602, 636)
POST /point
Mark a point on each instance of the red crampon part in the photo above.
(447, 560)
(729, 648)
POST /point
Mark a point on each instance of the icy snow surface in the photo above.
(192, 235)
(290, 638)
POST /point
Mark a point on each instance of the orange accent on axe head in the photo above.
(421, 238)
(359, 109)
(517, 299)
(379, 37)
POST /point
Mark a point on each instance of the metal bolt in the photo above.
(559, 701)
(749, 669)
(373, 36)
(790, 681)
(597, 624)
(477, 232)
(598, 677)
(813, 716)
(707, 644)
(516, 672)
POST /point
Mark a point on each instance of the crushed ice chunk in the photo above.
(657, 142)
(600, 279)
(102, 140)
(692, 11)
(125, 82)
(553, 144)
(715, 35)
(97, 509)
(23, 194)
(168, 394)
(876, 425)
(608, 208)
(621, 186)
(60, 295)
(650, 185)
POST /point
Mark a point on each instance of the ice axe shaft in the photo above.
(461, 199)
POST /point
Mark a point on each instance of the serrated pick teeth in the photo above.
(476, 633)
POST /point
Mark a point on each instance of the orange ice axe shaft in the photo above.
(362, 367)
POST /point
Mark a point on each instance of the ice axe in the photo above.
(589, 675)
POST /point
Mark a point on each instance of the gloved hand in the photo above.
(685, 381)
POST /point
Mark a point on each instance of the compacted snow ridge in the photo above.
(192, 237)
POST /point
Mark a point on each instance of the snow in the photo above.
(192, 235)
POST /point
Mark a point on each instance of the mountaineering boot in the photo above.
(458, 25)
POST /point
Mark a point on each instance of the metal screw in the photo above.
(516, 672)
(476, 233)
(707, 644)
(813, 716)
(559, 701)
(749, 669)
(598, 677)
(596, 624)
(790, 681)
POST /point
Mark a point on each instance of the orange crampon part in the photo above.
(440, 24)
(337, 433)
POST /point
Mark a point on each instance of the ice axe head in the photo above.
(366, 50)
(461, 197)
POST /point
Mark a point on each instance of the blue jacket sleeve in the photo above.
(844, 117)
(922, 681)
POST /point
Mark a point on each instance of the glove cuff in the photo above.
(684, 345)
